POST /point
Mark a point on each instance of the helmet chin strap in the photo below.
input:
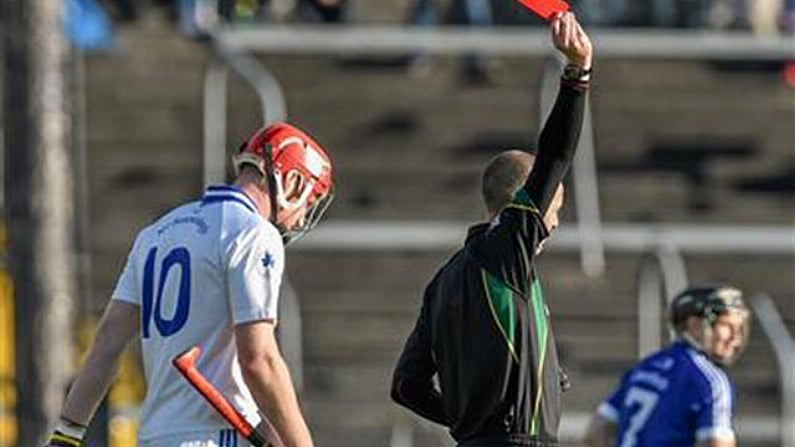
(277, 196)
(694, 343)
(270, 177)
(706, 337)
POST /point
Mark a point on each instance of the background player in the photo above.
(208, 273)
(680, 395)
(483, 326)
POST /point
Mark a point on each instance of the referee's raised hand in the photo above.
(569, 37)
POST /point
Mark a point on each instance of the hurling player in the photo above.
(207, 273)
(680, 396)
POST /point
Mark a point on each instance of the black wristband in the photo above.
(575, 73)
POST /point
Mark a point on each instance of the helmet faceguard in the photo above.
(708, 304)
(279, 150)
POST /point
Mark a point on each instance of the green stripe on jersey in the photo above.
(522, 198)
(503, 310)
(542, 332)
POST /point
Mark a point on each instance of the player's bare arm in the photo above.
(266, 375)
(601, 432)
(117, 327)
(717, 443)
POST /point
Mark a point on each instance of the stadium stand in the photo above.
(412, 149)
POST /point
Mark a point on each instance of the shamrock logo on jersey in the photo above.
(268, 260)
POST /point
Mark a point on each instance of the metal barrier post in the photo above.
(586, 186)
(663, 272)
(270, 92)
(215, 123)
(784, 348)
(272, 105)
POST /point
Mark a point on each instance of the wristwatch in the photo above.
(576, 73)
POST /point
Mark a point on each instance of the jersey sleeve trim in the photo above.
(720, 395)
(126, 288)
(718, 433)
(252, 317)
(125, 298)
(522, 201)
(607, 411)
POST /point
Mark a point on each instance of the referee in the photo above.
(484, 327)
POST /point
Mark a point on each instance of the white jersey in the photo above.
(195, 273)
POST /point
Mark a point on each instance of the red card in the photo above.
(546, 9)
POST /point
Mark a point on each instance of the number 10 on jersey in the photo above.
(152, 299)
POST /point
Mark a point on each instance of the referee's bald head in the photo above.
(503, 176)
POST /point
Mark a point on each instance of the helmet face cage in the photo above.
(707, 304)
(276, 151)
(314, 213)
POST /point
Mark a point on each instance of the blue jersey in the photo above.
(673, 398)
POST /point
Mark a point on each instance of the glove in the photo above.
(67, 434)
(59, 439)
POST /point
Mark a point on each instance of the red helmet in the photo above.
(278, 149)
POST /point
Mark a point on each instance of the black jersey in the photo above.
(484, 327)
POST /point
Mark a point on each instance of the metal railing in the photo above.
(272, 105)
(364, 235)
(586, 185)
(501, 41)
(784, 348)
(661, 275)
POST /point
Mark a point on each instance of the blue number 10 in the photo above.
(151, 304)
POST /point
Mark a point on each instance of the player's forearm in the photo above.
(90, 386)
(557, 144)
(272, 389)
(116, 328)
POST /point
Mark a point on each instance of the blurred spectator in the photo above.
(325, 11)
(680, 13)
(654, 13)
(788, 17)
(476, 67)
(724, 14)
(127, 10)
(198, 16)
(763, 15)
(87, 26)
(171, 8)
(599, 12)
(666, 13)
